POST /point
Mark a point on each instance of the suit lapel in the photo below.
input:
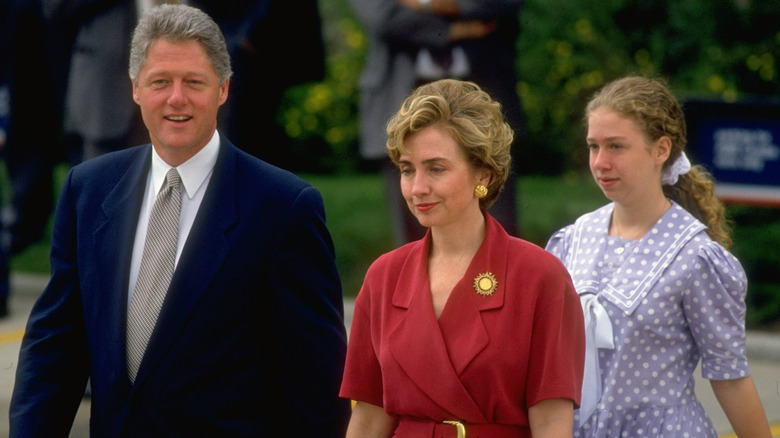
(113, 234)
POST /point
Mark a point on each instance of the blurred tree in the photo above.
(721, 49)
(321, 118)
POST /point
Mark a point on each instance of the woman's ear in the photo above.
(484, 176)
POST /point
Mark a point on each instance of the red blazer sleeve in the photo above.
(558, 341)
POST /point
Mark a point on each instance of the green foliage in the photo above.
(719, 49)
(756, 239)
(548, 203)
(563, 57)
(320, 118)
(358, 221)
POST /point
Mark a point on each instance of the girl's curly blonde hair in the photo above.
(650, 103)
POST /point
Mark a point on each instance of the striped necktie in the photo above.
(154, 277)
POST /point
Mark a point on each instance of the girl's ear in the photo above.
(663, 148)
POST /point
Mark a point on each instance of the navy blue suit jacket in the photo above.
(250, 340)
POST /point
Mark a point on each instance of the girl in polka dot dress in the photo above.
(659, 289)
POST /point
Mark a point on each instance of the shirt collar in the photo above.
(193, 172)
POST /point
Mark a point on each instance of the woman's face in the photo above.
(624, 163)
(437, 181)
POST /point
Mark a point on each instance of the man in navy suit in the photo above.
(250, 339)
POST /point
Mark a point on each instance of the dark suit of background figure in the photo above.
(396, 34)
(34, 65)
(100, 115)
(5, 116)
(251, 337)
(274, 44)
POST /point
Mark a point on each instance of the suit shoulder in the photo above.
(271, 176)
(109, 164)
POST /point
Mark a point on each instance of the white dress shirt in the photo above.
(195, 175)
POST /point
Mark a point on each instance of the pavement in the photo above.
(763, 352)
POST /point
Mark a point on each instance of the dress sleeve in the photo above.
(362, 374)
(558, 342)
(714, 304)
(558, 244)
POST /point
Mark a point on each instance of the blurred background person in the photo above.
(416, 41)
(33, 66)
(67, 98)
(5, 116)
(37, 61)
(99, 114)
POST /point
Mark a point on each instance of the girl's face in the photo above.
(437, 181)
(625, 164)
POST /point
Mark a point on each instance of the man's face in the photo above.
(179, 94)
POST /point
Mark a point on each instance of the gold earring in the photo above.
(480, 191)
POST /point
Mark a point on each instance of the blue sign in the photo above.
(739, 143)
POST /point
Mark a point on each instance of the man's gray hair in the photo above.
(179, 23)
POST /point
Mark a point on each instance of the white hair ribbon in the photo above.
(680, 166)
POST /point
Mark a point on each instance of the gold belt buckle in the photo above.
(458, 425)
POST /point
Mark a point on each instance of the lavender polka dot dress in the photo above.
(673, 298)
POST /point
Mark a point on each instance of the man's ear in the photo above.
(135, 90)
(223, 91)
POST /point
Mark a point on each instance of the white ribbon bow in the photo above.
(681, 166)
(598, 334)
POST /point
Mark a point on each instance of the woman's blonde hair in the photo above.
(470, 115)
(657, 112)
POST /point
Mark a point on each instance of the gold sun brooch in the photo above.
(485, 284)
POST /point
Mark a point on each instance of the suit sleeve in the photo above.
(53, 361)
(310, 311)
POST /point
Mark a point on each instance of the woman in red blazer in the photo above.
(469, 331)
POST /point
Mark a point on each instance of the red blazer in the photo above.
(487, 358)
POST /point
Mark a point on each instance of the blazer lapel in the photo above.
(461, 323)
(202, 257)
(417, 343)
